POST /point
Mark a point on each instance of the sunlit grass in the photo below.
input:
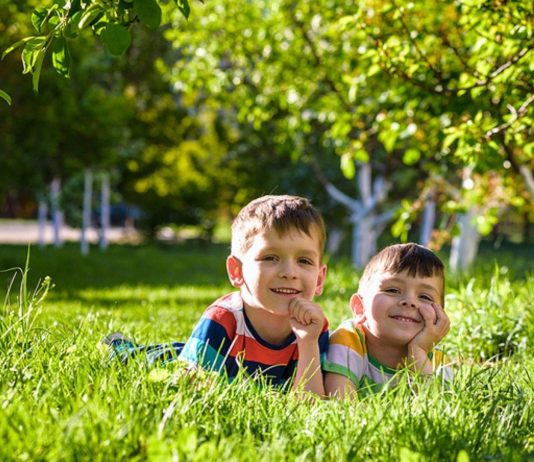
(62, 399)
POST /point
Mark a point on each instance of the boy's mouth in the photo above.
(405, 319)
(285, 291)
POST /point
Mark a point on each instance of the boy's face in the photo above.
(277, 269)
(389, 305)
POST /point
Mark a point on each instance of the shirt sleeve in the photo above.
(346, 355)
(210, 342)
(441, 365)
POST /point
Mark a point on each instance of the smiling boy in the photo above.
(271, 326)
(397, 320)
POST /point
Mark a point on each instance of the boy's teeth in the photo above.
(286, 291)
(402, 318)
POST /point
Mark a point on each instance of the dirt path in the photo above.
(24, 232)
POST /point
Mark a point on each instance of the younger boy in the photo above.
(270, 327)
(398, 318)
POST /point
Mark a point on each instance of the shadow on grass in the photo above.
(120, 267)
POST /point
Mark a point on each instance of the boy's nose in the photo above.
(287, 270)
(409, 302)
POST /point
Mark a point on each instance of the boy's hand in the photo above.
(436, 327)
(307, 319)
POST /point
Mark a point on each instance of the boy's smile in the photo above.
(277, 269)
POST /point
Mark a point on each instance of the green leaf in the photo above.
(462, 456)
(388, 138)
(30, 53)
(347, 165)
(116, 39)
(183, 6)
(89, 16)
(411, 156)
(15, 46)
(61, 57)
(148, 12)
(38, 18)
(37, 66)
(5, 97)
(72, 28)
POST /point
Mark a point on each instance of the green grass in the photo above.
(61, 399)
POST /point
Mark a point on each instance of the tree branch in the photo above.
(516, 114)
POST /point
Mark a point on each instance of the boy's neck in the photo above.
(388, 355)
(271, 328)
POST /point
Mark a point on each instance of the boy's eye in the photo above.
(305, 261)
(392, 290)
(268, 258)
(426, 297)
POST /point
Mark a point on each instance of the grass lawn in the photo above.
(61, 399)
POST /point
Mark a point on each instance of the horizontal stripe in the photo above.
(348, 338)
(341, 370)
(223, 318)
(208, 329)
(199, 352)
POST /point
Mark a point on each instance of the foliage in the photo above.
(426, 94)
(64, 20)
(56, 373)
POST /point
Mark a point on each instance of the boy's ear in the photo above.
(235, 271)
(320, 280)
(356, 306)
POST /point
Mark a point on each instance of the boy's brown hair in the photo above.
(416, 260)
(281, 213)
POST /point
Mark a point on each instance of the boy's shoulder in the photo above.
(226, 311)
(231, 302)
(351, 335)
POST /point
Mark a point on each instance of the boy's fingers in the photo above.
(428, 314)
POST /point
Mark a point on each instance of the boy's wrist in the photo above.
(308, 341)
(418, 359)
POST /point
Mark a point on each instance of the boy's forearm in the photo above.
(419, 361)
(308, 376)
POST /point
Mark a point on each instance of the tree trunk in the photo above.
(429, 217)
(366, 224)
(57, 216)
(335, 238)
(104, 212)
(86, 214)
(465, 246)
(364, 239)
(42, 211)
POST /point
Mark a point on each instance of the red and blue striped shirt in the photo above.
(224, 340)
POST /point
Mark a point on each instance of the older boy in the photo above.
(398, 318)
(270, 326)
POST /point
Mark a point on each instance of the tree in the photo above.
(393, 84)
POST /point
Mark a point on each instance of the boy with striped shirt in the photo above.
(270, 326)
(397, 320)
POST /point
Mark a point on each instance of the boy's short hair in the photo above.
(416, 260)
(279, 212)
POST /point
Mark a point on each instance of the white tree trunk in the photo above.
(86, 213)
(104, 211)
(57, 216)
(335, 238)
(364, 240)
(42, 211)
(366, 224)
(465, 246)
(429, 217)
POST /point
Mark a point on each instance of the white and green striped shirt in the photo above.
(348, 356)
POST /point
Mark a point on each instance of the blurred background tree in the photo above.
(393, 116)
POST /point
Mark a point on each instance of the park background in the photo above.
(400, 120)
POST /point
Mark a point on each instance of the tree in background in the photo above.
(421, 101)
(412, 95)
